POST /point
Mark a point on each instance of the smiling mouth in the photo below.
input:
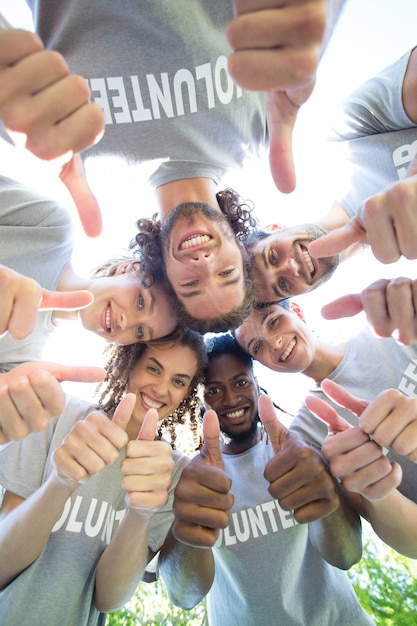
(194, 241)
(236, 414)
(150, 403)
(309, 262)
(284, 356)
(108, 319)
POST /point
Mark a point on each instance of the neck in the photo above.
(172, 194)
(326, 358)
(240, 444)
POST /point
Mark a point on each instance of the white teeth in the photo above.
(290, 348)
(108, 319)
(151, 403)
(235, 414)
(308, 261)
(195, 240)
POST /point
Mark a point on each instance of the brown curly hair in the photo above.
(147, 248)
(123, 359)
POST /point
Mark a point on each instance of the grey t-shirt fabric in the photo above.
(159, 72)
(36, 241)
(58, 587)
(381, 139)
(370, 365)
(266, 570)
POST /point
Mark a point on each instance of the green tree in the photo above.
(384, 581)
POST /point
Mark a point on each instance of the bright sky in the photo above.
(369, 36)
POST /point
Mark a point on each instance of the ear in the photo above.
(270, 228)
(295, 308)
(127, 266)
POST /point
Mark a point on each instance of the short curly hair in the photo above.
(123, 359)
(147, 248)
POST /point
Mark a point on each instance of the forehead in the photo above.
(180, 358)
(226, 366)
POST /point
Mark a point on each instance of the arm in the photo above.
(188, 572)
(366, 474)
(201, 502)
(276, 48)
(30, 394)
(147, 474)
(338, 536)
(26, 525)
(390, 306)
(41, 102)
(299, 479)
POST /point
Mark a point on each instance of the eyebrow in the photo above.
(256, 338)
(151, 358)
(191, 294)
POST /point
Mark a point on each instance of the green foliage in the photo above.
(385, 583)
(150, 607)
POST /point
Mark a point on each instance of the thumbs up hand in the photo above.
(147, 468)
(23, 297)
(93, 443)
(47, 109)
(202, 497)
(297, 474)
(30, 394)
(355, 459)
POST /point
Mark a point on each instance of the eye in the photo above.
(139, 332)
(178, 382)
(141, 302)
(273, 323)
(226, 272)
(241, 383)
(213, 391)
(152, 369)
(192, 283)
(256, 347)
(283, 285)
(273, 257)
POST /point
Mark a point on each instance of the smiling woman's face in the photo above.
(161, 379)
(204, 261)
(123, 312)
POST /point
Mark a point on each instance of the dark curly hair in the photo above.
(147, 249)
(123, 359)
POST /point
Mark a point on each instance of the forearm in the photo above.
(25, 530)
(123, 562)
(188, 572)
(338, 536)
(394, 519)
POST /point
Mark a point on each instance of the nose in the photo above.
(291, 267)
(230, 397)
(275, 343)
(202, 257)
(128, 320)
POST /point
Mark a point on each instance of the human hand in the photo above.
(147, 468)
(30, 394)
(386, 221)
(47, 110)
(202, 497)
(23, 297)
(355, 459)
(390, 306)
(298, 477)
(276, 48)
(92, 444)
